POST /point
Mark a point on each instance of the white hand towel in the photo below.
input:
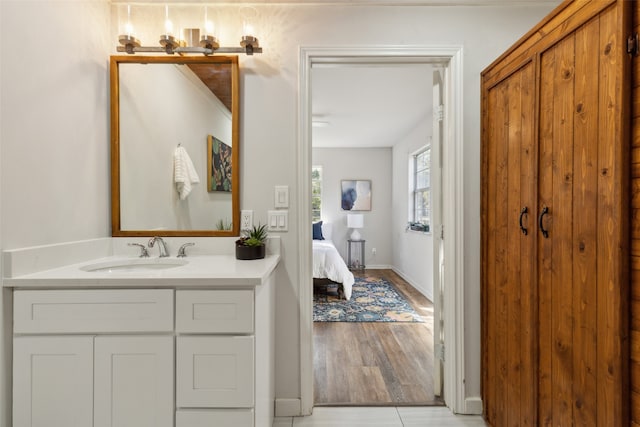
(184, 173)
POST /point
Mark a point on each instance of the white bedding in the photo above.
(328, 264)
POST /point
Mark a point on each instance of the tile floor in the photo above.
(381, 417)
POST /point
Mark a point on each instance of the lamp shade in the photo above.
(355, 220)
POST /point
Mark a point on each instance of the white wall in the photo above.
(412, 251)
(358, 163)
(269, 134)
(55, 134)
(54, 137)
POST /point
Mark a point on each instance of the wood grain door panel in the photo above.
(555, 308)
(510, 185)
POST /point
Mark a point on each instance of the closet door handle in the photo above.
(545, 211)
(522, 212)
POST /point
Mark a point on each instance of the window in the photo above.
(422, 187)
(316, 193)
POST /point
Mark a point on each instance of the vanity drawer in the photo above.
(214, 311)
(214, 417)
(214, 372)
(92, 311)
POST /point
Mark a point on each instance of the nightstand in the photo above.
(355, 254)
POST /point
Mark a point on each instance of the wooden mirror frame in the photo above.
(116, 230)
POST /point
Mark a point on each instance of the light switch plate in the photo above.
(278, 220)
(281, 197)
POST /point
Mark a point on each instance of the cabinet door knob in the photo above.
(522, 213)
(544, 232)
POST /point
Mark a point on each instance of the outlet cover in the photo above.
(246, 220)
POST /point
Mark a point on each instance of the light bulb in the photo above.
(168, 25)
(249, 15)
(208, 28)
(128, 29)
(247, 29)
(127, 37)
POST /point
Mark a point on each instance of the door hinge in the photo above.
(439, 352)
(633, 45)
(438, 115)
(442, 231)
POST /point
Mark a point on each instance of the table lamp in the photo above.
(355, 221)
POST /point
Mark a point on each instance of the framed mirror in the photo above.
(174, 146)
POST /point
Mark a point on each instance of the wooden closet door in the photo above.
(581, 274)
(555, 348)
(510, 187)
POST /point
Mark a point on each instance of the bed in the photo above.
(327, 262)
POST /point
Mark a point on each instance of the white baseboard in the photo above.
(378, 267)
(288, 408)
(412, 283)
(473, 406)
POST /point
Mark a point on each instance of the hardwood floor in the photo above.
(380, 364)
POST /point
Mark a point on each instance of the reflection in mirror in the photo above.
(175, 150)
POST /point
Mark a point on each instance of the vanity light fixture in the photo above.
(167, 40)
(127, 39)
(208, 43)
(249, 40)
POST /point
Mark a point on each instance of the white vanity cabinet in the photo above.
(116, 358)
(76, 364)
(187, 346)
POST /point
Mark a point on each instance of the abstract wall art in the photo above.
(356, 195)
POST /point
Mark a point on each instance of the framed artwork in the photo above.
(218, 165)
(355, 195)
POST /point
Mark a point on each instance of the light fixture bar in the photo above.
(191, 42)
(249, 50)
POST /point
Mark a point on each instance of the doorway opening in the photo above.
(452, 298)
(374, 121)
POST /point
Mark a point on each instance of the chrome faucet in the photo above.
(181, 252)
(162, 246)
(143, 250)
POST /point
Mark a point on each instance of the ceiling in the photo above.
(368, 105)
(354, 2)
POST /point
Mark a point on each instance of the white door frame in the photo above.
(453, 206)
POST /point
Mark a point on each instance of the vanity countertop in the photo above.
(200, 271)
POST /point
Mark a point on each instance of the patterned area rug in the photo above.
(373, 300)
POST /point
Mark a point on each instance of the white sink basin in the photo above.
(135, 264)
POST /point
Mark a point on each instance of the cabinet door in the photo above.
(52, 381)
(581, 278)
(134, 381)
(215, 372)
(508, 258)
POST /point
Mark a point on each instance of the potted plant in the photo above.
(252, 245)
